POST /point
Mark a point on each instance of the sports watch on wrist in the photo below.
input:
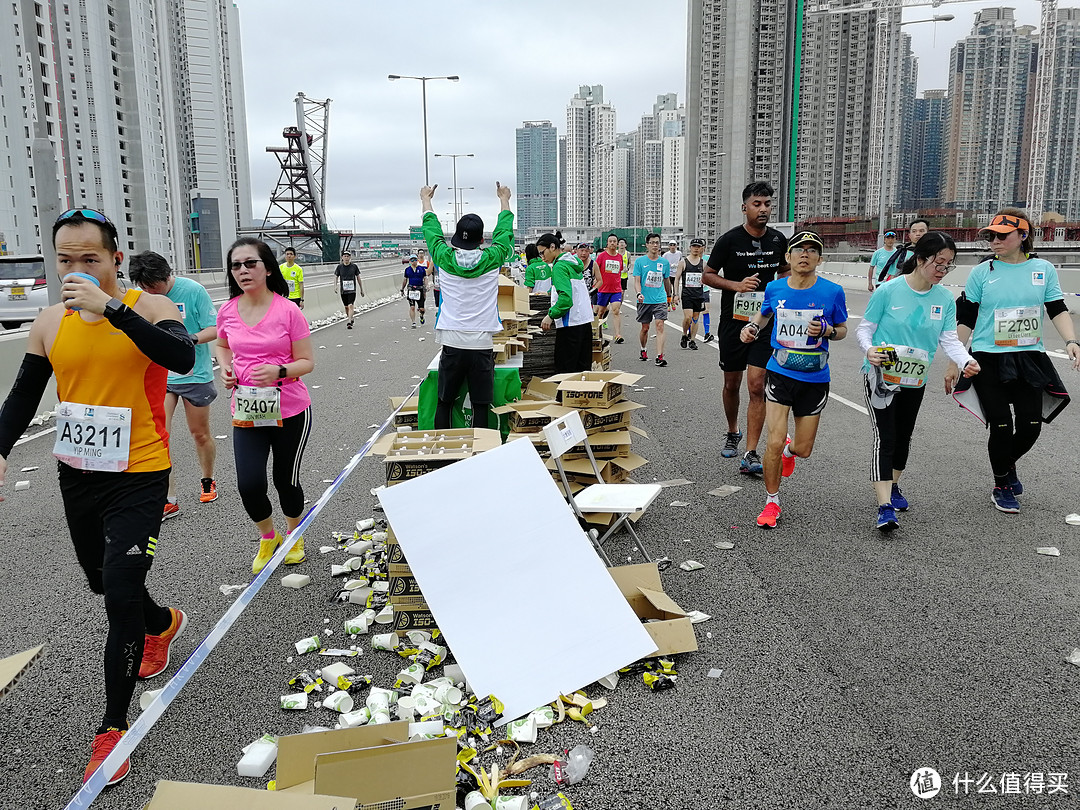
(281, 372)
(113, 307)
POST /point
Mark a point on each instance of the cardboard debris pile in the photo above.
(516, 333)
(600, 398)
(601, 348)
(410, 454)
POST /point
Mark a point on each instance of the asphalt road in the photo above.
(848, 659)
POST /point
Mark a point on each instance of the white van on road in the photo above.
(23, 290)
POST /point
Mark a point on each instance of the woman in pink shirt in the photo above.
(265, 347)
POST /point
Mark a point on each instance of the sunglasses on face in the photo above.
(993, 236)
(250, 264)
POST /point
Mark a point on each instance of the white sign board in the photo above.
(526, 605)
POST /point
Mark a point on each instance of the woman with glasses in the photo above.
(265, 347)
(1001, 311)
(905, 321)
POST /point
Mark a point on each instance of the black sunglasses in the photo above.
(250, 264)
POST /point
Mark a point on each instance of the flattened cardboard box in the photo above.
(14, 667)
(526, 415)
(373, 764)
(189, 795)
(672, 631)
(539, 389)
(593, 389)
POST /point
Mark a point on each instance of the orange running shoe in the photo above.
(155, 659)
(171, 510)
(102, 747)
(787, 463)
(209, 490)
(769, 515)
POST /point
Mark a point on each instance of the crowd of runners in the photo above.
(124, 361)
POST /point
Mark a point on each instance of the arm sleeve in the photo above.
(166, 343)
(560, 280)
(1055, 308)
(23, 401)
(952, 346)
(864, 334)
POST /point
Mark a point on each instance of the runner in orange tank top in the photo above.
(111, 359)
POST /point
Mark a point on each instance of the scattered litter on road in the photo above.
(724, 545)
(422, 339)
(674, 482)
(1048, 551)
(221, 437)
(691, 565)
(724, 491)
(1074, 657)
(295, 581)
(328, 481)
(715, 673)
(341, 378)
(314, 386)
(1072, 520)
(697, 617)
(21, 485)
(229, 590)
(258, 757)
(680, 503)
(28, 469)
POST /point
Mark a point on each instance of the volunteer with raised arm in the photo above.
(265, 348)
(111, 353)
(1002, 310)
(807, 313)
(469, 316)
(904, 323)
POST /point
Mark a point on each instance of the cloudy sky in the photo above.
(517, 61)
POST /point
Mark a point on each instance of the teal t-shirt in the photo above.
(652, 273)
(1011, 301)
(198, 312)
(881, 255)
(908, 318)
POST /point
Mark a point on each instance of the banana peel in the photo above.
(514, 768)
(490, 786)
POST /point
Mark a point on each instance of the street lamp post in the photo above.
(423, 84)
(459, 197)
(454, 158)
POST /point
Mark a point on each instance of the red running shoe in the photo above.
(787, 463)
(769, 515)
(102, 747)
(155, 659)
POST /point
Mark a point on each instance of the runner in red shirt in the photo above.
(611, 266)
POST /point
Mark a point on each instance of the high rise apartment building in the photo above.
(624, 179)
(1061, 192)
(991, 95)
(142, 101)
(590, 159)
(929, 121)
(537, 190)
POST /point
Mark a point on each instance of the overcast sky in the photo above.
(512, 69)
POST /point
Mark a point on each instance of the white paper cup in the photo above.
(355, 564)
(364, 525)
(423, 690)
(418, 637)
(357, 624)
(544, 716)
(353, 584)
(512, 803)
(379, 699)
(147, 697)
(380, 585)
(359, 596)
(380, 717)
(340, 702)
(339, 570)
(412, 674)
(357, 717)
(426, 706)
(448, 693)
(384, 641)
(405, 713)
(385, 616)
(306, 645)
(296, 701)
(407, 701)
(476, 800)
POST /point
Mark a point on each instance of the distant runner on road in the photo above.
(346, 282)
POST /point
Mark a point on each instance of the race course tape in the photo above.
(943, 284)
(89, 792)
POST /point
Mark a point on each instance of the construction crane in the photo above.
(1043, 102)
(296, 216)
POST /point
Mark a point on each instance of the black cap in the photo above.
(697, 243)
(469, 233)
(806, 238)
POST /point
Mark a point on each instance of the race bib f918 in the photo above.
(747, 305)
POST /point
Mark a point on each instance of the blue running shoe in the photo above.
(731, 445)
(1004, 500)
(1014, 482)
(886, 518)
(750, 464)
(899, 502)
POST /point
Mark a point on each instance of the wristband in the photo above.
(1074, 342)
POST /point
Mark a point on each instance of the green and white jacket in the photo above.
(570, 304)
(538, 276)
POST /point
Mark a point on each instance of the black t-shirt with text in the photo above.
(348, 272)
(737, 254)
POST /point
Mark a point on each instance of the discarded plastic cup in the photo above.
(296, 701)
(148, 697)
(476, 800)
(380, 717)
(446, 693)
(357, 624)
(357, 717)
(87, 276)
(364, 525)
(306, 645)
(414, 673)
(418, 636)
(384, 641)
(512, 803)
(379, 698)
(340, 702)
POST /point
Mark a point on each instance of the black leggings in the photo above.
(573, 348)
(114, 520)
(893, 427)
(252, 446)
(472, 367)
(1007, 443)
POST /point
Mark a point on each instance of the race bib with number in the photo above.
(93, 437)
(792, 326)
(348, 285)
(692, 279)
(654, 278)
(1018, 326)
(611, 266)
(294, 285)
(257, 406)
(413, 295)
(909, 371)
(747, 305)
